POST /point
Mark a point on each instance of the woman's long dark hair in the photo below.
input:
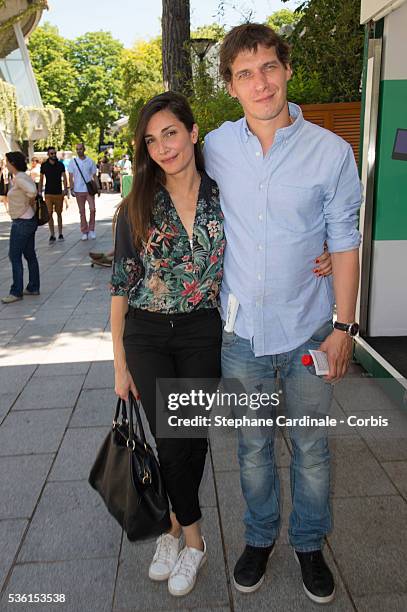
(148, 176)
(18, 160)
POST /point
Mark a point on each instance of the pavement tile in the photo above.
(100, 376)
(70, 522)
(86, 323)
(95, 408)
(397, 471)
(50, 392)
(341, 429)
(355, 394)
(21, 481)
(369, 542)
(13, 378)
(207, 496)
(62, 369)
(134, 590)
(6, 401)
(394, 602)
(368, 479)
(77, 453)
(387, 443)
(32, 432)
(88, 585)
(11, 533)
(213, 608)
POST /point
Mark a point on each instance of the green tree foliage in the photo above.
(283, 17)
(82, 77)
(142, 72)
(56, 77)
(213, 31)
(328, 41)
(96, 57)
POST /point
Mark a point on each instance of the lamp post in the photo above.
(201, 46)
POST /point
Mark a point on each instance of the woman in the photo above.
(105, 173)
(35, 170)
(164, 318)
(21, 202)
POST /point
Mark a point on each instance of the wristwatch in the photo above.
(350, 328)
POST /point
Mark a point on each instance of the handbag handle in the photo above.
(120, 404)
(134, 405)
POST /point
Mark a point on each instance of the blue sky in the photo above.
(129, 20)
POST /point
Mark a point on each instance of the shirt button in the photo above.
(261, 185)
(257, 153)
(260, 247)
(259, 277)
(260, 217)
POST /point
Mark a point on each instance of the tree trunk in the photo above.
(177, 70)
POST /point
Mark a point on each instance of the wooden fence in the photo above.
(343, 118)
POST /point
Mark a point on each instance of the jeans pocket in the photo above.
(228, 338)
(322, 332)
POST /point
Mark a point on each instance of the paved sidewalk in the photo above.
(56, 402)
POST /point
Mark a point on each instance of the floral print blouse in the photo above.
(171, 274)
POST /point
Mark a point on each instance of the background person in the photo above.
(106, 168)
(21, 202)
(34, 171)
(54, 172)
(124, 169)
(83, 165)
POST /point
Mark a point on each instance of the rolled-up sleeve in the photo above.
(127, 266)
(341, 206)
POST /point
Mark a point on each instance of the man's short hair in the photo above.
(51, 149)
(247, 37)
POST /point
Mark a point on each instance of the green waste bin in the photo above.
(126, 185)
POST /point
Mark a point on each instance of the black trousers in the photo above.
(174, 346)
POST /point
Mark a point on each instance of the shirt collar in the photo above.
(283, 133)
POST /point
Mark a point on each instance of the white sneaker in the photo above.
(183, 577)
(165, 557)
(92, 235)
(84, 237)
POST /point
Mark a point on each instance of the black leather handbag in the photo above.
(127, 475)
(41, 210)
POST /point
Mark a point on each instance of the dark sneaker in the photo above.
(27, 292)
(249, 571)
(52, 238)
(61, 237)
(317, 578)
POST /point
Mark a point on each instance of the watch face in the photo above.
(353, 329)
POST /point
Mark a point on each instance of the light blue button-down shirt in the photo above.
(279, 208)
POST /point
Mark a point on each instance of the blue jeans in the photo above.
(22, 242)
(304, 394)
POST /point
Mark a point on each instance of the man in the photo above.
(125, 169)
(54, 172)
(82, 169)
(286, 186)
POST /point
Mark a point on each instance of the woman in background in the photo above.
(21, 203)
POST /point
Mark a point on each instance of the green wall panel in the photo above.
(390, 216)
